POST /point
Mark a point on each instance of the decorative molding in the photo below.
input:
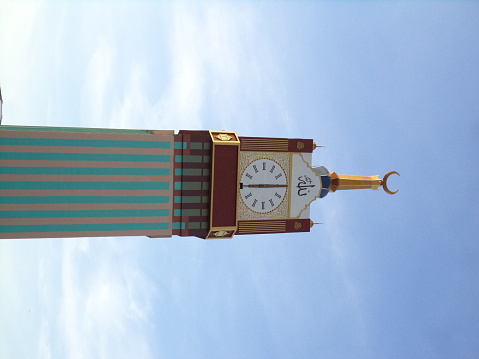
(249, 227)
(264, 144)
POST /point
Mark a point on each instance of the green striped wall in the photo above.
(50, 176)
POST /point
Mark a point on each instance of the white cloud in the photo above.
(98, 76)
(21, 47)
(44, 342)
(105, 303)
(217, 62)
(18, 24)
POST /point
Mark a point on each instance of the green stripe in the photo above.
(189, 199)
(73, 129)
(81, 157)
(178, 225)
(196, 145)
(83, 199)
(84, 171)
(189, 212)
(180, 145)
(197, 225)
(84, 185)
(191, 158)
(83, 227)
(81, 143)
(86, 213)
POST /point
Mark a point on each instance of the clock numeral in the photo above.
(255, 169)
(272, 168)
(262, 205)
(278, 175)
(254, 203)
(264, 166)
(271, 201)
(248, 195)
(277, 195)
(249, 176)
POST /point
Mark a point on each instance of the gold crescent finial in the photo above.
(384, 182)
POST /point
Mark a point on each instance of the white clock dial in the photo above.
(263, 185)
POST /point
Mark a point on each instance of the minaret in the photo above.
(344, 182)
(332, 182)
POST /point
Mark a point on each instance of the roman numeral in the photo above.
(278, 176)
(255, 169)
(271, 201)
(264, 166)
(272, 169)
(248, 195)
(262, 205)
(254, 203)
(277, 195)
(249, 176)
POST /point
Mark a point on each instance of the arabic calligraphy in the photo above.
(304, 185)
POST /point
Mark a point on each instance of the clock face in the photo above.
(263, 185)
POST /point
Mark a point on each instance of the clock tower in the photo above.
(85, 182)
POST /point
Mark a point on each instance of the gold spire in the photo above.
(343, 182)
(316, 146)
(311, 223)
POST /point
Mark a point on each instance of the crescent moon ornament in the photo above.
(385, 179)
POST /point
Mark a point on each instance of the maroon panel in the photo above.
(300, 145)
(194, 192)
(189, 137)
(200, 233)
(224, 193)
(198, 152)
(262, 138)
(194, 132)
(269, 144)
(273, 226)
(298, 225)
(196, 206)
(195, 178)
(201, 165)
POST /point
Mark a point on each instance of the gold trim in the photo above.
(264, 144)
(221, 234)
(254, 226)
(244, 213)
(224, 138)
(228, 228)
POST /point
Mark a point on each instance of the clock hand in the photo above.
(262, 185)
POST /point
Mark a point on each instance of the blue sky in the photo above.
(384, 85)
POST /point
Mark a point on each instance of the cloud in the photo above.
(21, 49)
(105, 303)
(210, 61)
(98, 79)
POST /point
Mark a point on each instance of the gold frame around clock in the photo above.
(282, 211)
